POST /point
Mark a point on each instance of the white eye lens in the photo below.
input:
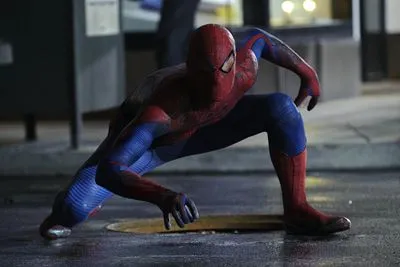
(227, 66)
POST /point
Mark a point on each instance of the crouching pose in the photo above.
(195, 108)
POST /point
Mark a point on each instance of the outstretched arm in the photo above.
(271, 48)
(115, 173)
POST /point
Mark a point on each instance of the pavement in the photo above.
(370, 200)
(361, 133)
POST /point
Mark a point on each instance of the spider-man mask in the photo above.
(211, 61)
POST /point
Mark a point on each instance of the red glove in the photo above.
(308, 87)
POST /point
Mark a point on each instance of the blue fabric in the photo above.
(131, 149)
(151, 4)
(134, 152)
(83, 196)
(259, 46)
(285, 125)
(274, 114)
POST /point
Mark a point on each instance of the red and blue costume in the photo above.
(193, 108)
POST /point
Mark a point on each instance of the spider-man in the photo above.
(195, 108)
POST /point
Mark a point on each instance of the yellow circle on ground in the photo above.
(216, 223)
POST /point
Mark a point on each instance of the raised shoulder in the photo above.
(256, 40)
(147, 89)
(246, 69)
(151, 82)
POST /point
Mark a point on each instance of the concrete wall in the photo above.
(392, 28)
(339, 69)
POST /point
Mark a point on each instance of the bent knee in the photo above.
(77, 208)
(285, 125)
(109, 174)
(282, 110)
(106, 171)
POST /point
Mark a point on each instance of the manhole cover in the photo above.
(216, 223)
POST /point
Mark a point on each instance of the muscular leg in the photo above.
(274, 114)
(277, 115)
(82, 198)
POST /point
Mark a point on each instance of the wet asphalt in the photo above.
(370, 200)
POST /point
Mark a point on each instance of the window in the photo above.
(143, 15)
(224, 12)
(292, 13)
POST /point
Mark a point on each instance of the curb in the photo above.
(57, 159)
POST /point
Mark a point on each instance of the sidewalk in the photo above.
(351, 134)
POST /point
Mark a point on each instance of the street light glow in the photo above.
(287, 7)
(309, 5)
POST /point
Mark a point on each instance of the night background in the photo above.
(65, 66)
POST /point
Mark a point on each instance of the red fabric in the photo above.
(153, 114)
(291, 172)
(246, 70)
(143, 189)
(135, 187)
(210, 46)
(203, 93)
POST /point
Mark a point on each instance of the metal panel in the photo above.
(57, 70)
(99, 63)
